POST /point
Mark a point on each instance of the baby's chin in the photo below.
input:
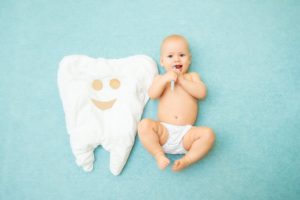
(178, 71)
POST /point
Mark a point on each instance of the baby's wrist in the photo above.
(167, 79)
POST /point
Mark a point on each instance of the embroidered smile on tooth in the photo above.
(97, 85)
(103, 105)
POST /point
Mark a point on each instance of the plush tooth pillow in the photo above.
(103, 101)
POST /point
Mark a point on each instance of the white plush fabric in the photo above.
(103, 100)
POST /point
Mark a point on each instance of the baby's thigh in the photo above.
(196, 133)
(162, 133)
(148, 126)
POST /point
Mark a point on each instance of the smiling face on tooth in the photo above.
(100, 90)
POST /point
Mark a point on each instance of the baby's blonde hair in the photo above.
(174, 36)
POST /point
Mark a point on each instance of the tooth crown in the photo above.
(103, 100)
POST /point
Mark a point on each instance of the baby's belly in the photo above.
(178, 113)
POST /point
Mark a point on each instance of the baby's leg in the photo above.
(198, 141)
(153, 136)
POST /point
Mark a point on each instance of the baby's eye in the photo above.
(182, 55)
(170, 56)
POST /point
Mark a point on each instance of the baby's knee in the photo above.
(209, 134)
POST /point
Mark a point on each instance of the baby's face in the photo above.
(175, 55)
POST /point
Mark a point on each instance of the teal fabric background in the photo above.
(247, 53)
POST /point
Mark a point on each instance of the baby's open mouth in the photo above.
(178, 67)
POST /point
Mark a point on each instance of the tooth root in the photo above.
(118, 158)
(84, 155)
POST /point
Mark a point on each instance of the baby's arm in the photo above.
(159, 84)
(192, 84)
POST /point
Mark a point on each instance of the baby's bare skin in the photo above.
(177, 107)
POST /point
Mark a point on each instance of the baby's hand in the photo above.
(171, 76)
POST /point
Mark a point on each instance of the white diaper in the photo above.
(174, 144)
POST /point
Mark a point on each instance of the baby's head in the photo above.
(175, 54)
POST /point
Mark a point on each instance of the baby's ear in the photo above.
(190, 59)
(161, 62)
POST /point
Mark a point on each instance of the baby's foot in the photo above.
(181, 164)
(162, 161)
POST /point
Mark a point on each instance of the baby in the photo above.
(174, 133)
